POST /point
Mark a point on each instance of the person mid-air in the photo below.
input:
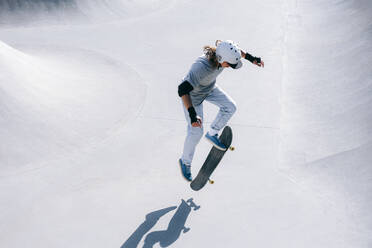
(200, 84)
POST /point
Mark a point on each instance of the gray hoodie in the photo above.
(202, 76)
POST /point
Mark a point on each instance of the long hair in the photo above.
(210, 53)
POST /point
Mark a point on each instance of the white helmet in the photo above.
(228, 51)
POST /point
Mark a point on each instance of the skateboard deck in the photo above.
(213, 159)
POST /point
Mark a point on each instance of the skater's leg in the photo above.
(227, 109)
(193, 136)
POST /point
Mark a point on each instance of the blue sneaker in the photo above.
(186, 170)
(215, 142)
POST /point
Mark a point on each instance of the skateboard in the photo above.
(213, 159)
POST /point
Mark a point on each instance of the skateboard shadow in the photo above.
(166, 237)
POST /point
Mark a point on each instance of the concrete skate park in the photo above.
(92, 127)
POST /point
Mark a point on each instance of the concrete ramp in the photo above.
(91, 125)
(46, 12)
(326, 120)
(51, 96)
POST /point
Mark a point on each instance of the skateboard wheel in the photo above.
(211, 181)
(232, 148)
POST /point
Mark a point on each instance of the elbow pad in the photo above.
(184, 88)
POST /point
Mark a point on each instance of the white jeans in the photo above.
(227, 109)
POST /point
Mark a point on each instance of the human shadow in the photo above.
(175, 227)
(150, 221)
(166, 237)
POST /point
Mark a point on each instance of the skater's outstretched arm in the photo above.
(255, 60)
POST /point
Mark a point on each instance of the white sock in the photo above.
(212, 132)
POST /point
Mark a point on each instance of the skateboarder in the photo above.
(199, 85)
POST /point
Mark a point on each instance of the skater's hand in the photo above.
(259, 64)
(198, 123)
